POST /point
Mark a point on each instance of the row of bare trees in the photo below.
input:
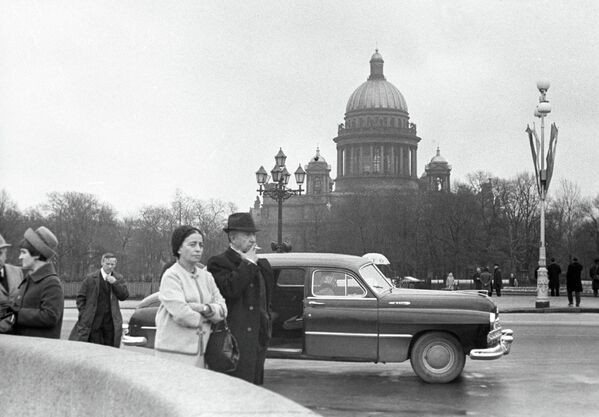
(484, 220)
(86, 228)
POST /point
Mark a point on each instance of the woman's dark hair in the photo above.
(179, 235)
(24, 244)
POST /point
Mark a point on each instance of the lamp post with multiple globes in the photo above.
(279, 191)
(543, 170)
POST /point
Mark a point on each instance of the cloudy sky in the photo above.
(130, 100)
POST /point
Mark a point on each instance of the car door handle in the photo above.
(315, 303)
(400, 303)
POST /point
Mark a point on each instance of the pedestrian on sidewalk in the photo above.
(573, 281)
(476, 279)
(485, 280)
(100, 320)
(497, 281)
(553, 272)
(594, 274)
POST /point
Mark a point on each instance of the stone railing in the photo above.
(59, 378)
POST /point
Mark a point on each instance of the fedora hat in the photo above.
(43, 240)
(242, 222)
(3, 243)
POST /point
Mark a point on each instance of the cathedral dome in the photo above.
(376, 92)
(438, 159)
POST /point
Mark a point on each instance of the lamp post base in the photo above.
(542, 300)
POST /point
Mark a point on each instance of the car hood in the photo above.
(430, 299)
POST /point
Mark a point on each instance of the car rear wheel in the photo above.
(437, 358)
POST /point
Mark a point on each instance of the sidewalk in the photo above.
(525, 303)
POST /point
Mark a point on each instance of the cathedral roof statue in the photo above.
(376, 92)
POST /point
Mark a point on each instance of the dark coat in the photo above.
(87, 303)
(497, 282)
(553, 271)
(14, 277)
(573, 279)
(238, 281)
(41, 304)
(594, 274)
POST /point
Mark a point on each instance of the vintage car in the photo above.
(342, 308)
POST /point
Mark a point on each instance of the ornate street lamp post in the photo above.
(278, 190)
(543, 171)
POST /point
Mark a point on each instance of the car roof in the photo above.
(315, 259)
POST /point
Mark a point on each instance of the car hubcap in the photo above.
(438, 357)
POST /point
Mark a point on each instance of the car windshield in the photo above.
(375, 279)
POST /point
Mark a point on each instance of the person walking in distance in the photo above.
(574, 281)
(100, 319)
(246, 282)
(476, 279)
(553, 272)
(10, 278)
(485, 281)
(594, 274)
(497, 280)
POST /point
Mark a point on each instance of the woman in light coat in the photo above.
(190, 302)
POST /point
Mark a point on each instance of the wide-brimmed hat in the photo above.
(43, 240)
(3, 243)
(242, 222)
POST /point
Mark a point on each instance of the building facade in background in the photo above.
(377, 148)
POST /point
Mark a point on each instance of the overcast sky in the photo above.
(130, 100)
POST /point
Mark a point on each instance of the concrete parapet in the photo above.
(47, 377)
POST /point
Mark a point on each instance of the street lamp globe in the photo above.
(261, 176)
(300, 174)
(280, 158)
(543, 85)
(544, 108)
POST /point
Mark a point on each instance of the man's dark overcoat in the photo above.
(238, 281)
(553, 271)
(497, 280)
(87, 303)
(41, 304)
(573, 279)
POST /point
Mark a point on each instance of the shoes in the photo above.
(570, 305)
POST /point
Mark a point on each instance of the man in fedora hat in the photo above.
(10, 278)
(246, 282)
(40, 305)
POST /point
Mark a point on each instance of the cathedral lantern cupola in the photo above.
(437, 173)
(376, 145)
(318, 174)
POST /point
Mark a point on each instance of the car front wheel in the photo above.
(437, 358)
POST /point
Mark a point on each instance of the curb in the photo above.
(549, 310)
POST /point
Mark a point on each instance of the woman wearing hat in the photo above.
(40, 304)
(190, 302)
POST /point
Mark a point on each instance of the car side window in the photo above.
(290, 277)
(327, 283)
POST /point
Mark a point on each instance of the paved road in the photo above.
(552, 370)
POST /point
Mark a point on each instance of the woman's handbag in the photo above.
(222, 351)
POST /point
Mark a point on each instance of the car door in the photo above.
(342, 322)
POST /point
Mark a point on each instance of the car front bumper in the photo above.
(497, 351)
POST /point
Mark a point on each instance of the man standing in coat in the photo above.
(553, 272)
(574, 281)
(246, 282)
(497, 281)
(100, 319)
(594, 274)
(10, 278)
